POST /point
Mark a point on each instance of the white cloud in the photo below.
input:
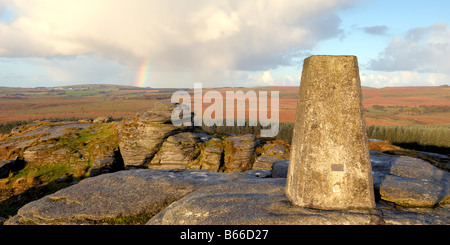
(267, 78)
(381, 79)
(262, 78)
(195, 34)
(212, 24)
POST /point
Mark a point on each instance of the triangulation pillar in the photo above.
(330, 167)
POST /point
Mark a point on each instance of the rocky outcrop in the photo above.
(213, 180)
(141, 138)
(150, 140)
(197, 197)
(239, 152)
(177, 152)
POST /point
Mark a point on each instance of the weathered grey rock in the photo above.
(415, 216)
(16, 143)
(265, 161)
(329, 163)
(239, 152)
(38, 153)
(42, 133)
(418, 169)
(272, 152)
(108, 163)
(177, 152)
(57, 129)
(280, 169)
(206, 137)
(46, 153)
(406, 191)
(140, 138)
(212, 158)
(212, 155)
(414, 182)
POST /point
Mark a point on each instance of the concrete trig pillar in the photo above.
(330, 164)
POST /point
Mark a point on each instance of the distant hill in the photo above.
(103, 86)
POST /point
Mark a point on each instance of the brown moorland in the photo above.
(384, 106)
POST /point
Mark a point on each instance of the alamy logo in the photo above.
(257, 110)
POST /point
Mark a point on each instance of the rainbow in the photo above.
(143, 73)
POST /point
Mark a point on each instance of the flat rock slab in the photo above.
(53, 131)
(415, 216)
(43, 133)
(121, 194)
(416, 183)
(261, 202)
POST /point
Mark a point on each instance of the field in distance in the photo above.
(384, 106)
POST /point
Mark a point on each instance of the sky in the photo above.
(220, 43)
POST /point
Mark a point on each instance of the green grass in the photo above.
(425, 135)
(84, 93)
(376, 111)
(32, 183)
(46, 173)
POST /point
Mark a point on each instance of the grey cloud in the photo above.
(420, 49)
(380, 30)
(417, 34)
